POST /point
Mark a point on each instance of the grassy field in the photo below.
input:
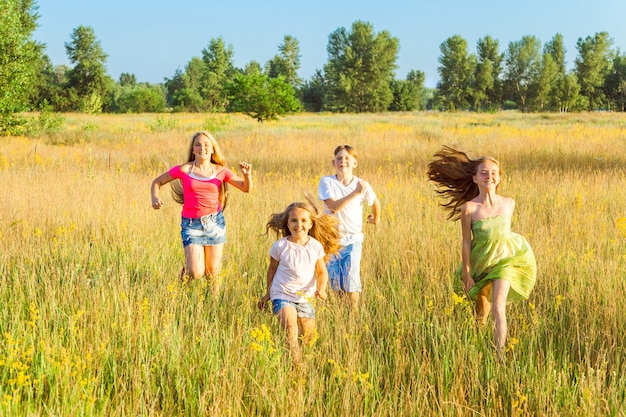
(95, 322)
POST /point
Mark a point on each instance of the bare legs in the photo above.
(499, 290)
(294, 326)
(203, 261)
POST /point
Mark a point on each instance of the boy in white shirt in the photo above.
(344, 196)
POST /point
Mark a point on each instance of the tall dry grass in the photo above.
(95, 321)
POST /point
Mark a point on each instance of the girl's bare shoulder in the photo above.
(186, 167)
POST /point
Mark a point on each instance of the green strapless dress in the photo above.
(498, 253)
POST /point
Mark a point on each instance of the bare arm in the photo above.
(374, 217)
(322, 279)
(336, 205)
(466, 246)
(244, 184)
(158, 182)
(271, 271)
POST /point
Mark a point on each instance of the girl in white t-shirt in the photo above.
(297, 270)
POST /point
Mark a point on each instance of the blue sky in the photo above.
(152, 38)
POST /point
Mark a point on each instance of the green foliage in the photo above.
(523, 68)
(88, 77)
(360, 69)
(615, 83)
(487, 89)
(592, 66)
(142, 99)
(408, 94)
(48, 122)
(20, 57)
(311, 93)
(220, 70)
(163, 124)
(262, 97)
(456, 72)
(127, 79)
(287, 63)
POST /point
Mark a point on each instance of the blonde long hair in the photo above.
(452, 171)
(324, 228)
(217, 157)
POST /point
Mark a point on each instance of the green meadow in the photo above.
(95, 322)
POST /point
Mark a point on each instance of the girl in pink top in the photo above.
(201, 190)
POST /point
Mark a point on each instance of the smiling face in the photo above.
(343, 162)
(487, 175)
(299, 222)
(202, 148)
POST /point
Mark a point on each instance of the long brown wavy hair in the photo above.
(324, 228)
(217, 157)
(452, 171)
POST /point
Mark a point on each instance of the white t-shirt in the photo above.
(295, 278)
(351, 215)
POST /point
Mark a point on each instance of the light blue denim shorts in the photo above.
(304, 309)
(344, 268)
(204, 231)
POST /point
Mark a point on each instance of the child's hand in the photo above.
(468, 283)
(263, 302)
(246, 168)
(372, 219)
(321, 294)
(157, 203)
(360, 187)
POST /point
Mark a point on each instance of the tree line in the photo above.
(359, 76)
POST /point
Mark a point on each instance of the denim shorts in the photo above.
(304, 309)
(344, 269)
(207, 230)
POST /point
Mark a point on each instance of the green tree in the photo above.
(408, 94)
(142, 99)
(184, 88)
(127, 79)
(555, 48)
(456, 72)
(487, 90)
(567, 93)
(262, 97)
(87, 80)
(312, 92)
(546, 82)
(20, 61)
(219, 72)
(253, 67)
(287, 62)
(360, 69)
(522, 69)
(615, 82)
(593, 64)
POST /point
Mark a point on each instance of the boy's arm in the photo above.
(336, 205)
(374, 218)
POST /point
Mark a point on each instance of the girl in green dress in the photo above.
(497, 265)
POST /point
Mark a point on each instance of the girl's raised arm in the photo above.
(244, 184)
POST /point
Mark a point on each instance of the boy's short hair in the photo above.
(351, 151)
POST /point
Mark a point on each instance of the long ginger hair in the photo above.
(324, 226)
(217, 157)
(452, 171)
